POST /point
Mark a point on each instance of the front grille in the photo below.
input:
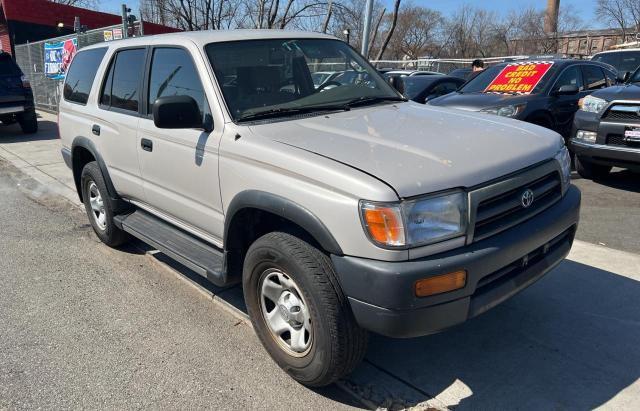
(619, 141)
(504, 210)
(517, 267)
(615, 140)
(622, 112)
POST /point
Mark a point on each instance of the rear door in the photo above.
(180, 166)
(11, 90)
(115, 126)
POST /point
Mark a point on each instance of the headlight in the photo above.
(416, 222)
(506, 111)
(592, 104)
(564, 159)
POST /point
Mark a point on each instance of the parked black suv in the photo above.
(551, 103)
(16, 98)
(606, 129)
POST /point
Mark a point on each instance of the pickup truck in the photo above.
(342, 210)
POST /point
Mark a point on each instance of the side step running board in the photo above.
(202, 258)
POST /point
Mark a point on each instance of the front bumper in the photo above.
(603, 150)
(608, 155)
(381, 293)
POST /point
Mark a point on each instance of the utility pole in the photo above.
(364, 50)
(125, 21)
(141, 24)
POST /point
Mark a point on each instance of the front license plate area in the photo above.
(632, 135)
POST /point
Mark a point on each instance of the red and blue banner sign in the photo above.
(58, 56)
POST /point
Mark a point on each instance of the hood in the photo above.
(621, 92)
(417, 149)
(478, 101)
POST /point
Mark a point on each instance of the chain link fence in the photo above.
(31, 57)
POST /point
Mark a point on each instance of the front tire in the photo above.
(299, 312)
(590, 170)
(99, 207)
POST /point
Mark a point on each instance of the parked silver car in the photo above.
(341, 210)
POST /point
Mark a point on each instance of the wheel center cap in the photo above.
(289, 308)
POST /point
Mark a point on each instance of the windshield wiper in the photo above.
(372, 100)
(288, 111)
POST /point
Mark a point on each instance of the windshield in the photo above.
(480, 82)
(259, 76)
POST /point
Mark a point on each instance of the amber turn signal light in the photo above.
(441, 283)
(385, 225)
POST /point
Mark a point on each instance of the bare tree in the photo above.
(191, 14)
(615, 12)
(392, 28)
(325, 25)
(417, 34)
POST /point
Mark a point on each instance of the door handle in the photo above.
(95, 129)
(146, 144)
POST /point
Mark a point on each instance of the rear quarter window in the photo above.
(79, 79)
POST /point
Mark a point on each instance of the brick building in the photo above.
(575, 43)
(23, 21)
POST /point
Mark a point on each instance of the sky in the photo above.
(583, 7)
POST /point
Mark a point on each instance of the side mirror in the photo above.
(567, 90)
(623, 76)
(177, 112)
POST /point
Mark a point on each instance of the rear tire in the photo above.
(99, 207)
(311, 305)
(28, 122)
(590, 170)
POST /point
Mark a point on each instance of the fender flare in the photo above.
(286, 209)
(88, 145)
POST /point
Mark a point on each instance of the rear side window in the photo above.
(8, 67)
(593, 77)
(121, 89)
(173, 74)
(79, 79)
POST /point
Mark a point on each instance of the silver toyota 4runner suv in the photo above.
(341, 207)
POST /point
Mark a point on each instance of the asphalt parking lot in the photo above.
(86, 326)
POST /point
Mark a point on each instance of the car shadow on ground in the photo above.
(12, 133)
(619, 179)
(566, 342)
(233, 297)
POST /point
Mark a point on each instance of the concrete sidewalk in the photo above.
(567, 342)
(38, 155)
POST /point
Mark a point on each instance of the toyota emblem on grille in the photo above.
(527, 198)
